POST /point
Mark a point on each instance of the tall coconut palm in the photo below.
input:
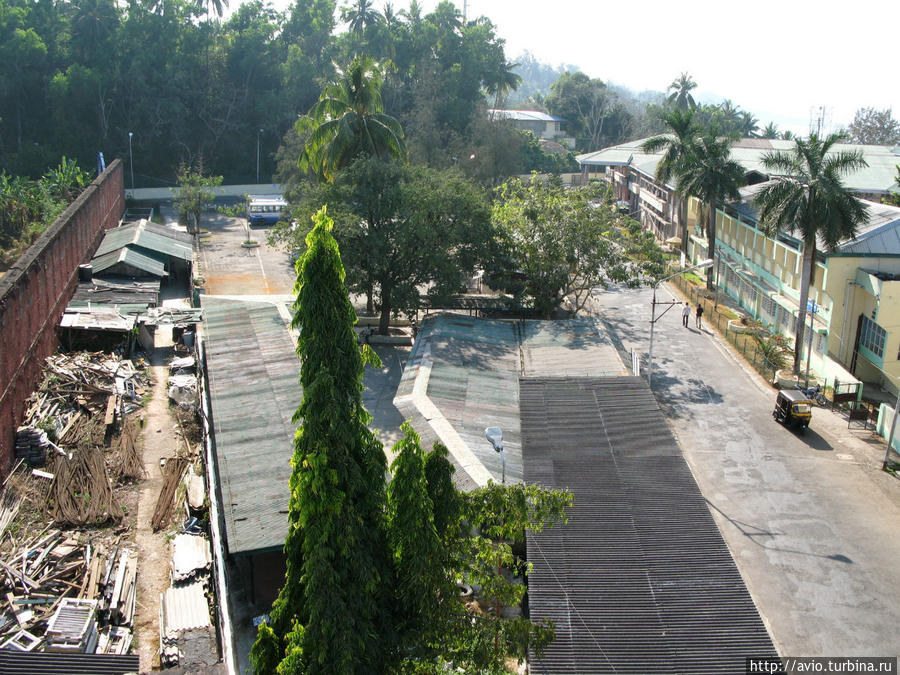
(500, 83)
(348, 121)
(360, 16)
(676, 147)
(681, 92)
(749, 125)
(807, 196)
(711, 176)
(770, 131)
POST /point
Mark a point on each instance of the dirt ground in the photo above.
(160, 439)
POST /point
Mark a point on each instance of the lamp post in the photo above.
(699, 266)
(257, 155)
(131, 158)
(495, 436)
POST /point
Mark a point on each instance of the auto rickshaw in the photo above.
(793, 408)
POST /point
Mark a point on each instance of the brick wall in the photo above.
(35, 291)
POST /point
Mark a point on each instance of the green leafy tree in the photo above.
(195, 193)
(871, 126)
(585, 104)
(404, 229)
(807, 197)
(711, 176)
(348, 122)
(894, 197)
(421, 573)
(561, 243)
(331, 614)
(678, 149)
(680, 92)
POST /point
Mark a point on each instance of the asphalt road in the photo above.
(811, 520)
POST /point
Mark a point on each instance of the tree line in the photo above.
(170, 82)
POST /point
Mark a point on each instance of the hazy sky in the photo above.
(779, 60)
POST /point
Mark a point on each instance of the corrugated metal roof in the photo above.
(108, 291)
(880, 176)
(151, 263)
(472, 367)
(14, 662)
(98, 318)
(146, 236)
(640, 579)
(254, 382)
(525, 115)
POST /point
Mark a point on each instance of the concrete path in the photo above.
(811, 520)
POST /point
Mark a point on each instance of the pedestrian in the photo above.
(685, 314)
(699, 316)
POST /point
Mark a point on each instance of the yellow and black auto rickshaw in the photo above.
(793, 408)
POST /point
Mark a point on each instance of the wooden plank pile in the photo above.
(63, 590)
(84, 384)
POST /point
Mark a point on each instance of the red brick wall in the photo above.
(35, 291)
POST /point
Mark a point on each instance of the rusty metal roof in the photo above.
(640, 579)
(254, 386)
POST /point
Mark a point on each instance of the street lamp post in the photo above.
(131, 158)
(495, 436)
(257, 155)
(653, 319)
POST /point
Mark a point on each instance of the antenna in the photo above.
(819, 119)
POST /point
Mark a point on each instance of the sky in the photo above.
(786, 61)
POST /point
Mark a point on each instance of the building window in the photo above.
(820, 343)
(872, 337)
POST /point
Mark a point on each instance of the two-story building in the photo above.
(856, 289)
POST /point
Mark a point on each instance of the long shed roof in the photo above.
(254, 384)
(639, 580)
(148, 236)
(462, 376)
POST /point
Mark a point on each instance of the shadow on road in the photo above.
(752, 532)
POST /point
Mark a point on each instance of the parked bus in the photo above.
(265, 210)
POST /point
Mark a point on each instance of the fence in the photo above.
(745, 343)
(36, 289)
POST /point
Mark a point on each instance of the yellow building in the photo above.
(856, 289)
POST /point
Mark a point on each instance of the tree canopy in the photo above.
(873, 127)
(559, 243)
(407, 233)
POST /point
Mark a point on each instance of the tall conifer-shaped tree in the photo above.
(330, 616)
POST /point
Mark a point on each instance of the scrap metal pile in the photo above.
(67, 592)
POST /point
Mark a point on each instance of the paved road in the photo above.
(811, 520)
(231, 269)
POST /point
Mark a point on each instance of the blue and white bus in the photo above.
(265, 209)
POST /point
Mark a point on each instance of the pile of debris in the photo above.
(68, 592)
(81, 385)
(187, 637)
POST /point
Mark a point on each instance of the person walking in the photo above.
(699, 316)
(685, 314)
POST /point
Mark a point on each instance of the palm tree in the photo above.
(770, 131)
(749, 125)
(348, 121)
(677, 148)
(360, 16)
(501, 82)
(807, 196)
(681, 92)
(711, 176)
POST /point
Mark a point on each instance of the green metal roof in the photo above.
(472, 368)
(150, 238)
(254, 386)
(151, 263)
